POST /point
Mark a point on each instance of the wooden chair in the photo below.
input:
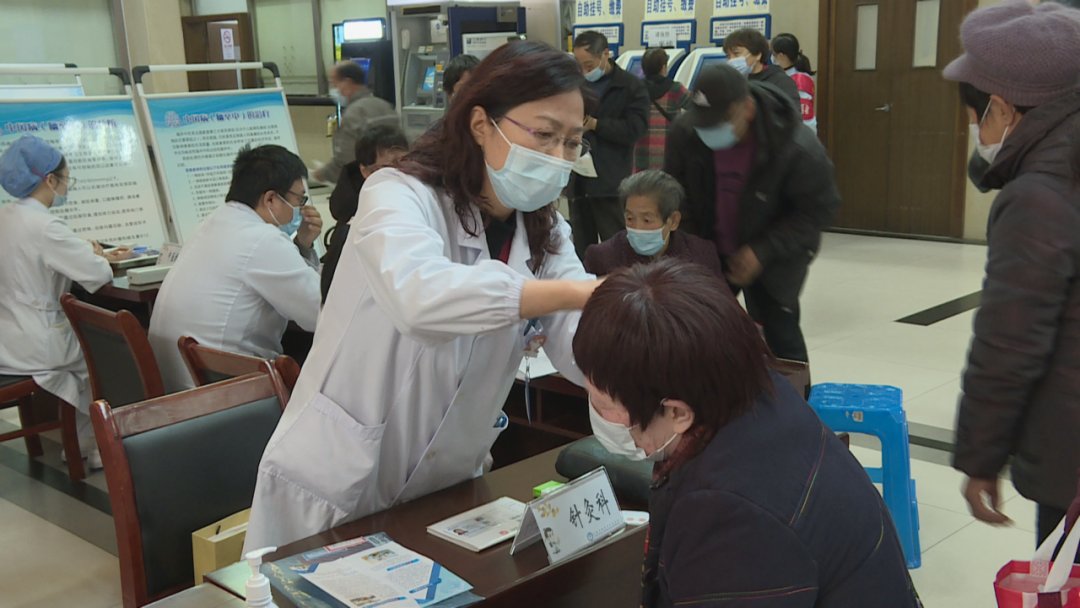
(19, 391)
(208, 365)
(118, 356)
(178, 463)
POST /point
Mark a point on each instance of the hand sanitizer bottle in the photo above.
(258, 586)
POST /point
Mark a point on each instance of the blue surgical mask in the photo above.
(646, 242)
(294, 225)
(59, 200)
(529, 179)
(720, 137)
(594, 74)
(739, 63)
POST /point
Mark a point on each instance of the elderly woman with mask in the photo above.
(753, 498)
(651, 201)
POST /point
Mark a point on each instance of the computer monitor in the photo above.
(634, 67)
(365, 64)
(428, 85)
(705, 62)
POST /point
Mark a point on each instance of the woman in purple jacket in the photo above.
(651, 201)
(754, 501)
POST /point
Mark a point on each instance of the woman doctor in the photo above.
(41, 257)
(456, 263)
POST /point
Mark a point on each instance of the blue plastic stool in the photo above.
(878, 410)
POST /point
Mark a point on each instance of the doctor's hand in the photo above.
(98, 249)
(543, 297)
(118, 254)
(984, 499)
(310, 226)
(743, 266)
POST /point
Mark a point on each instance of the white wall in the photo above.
(218, 7)
(59, 31)
(284, 29)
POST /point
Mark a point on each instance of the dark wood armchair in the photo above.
(208, 365)
(178, 463)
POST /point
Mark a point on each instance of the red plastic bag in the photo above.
(1038, 584)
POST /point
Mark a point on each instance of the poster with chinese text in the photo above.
(736, 8)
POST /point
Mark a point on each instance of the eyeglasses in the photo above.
(303, 198)
(546, 141)
(71, 181)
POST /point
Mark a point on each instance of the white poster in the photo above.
(735, 8)
(667, 10)
(197, 139)
(114, 199)
(481, 45)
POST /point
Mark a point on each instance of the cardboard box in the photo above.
(220, 544)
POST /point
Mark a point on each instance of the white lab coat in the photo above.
(415, 354)
(39, 258)
(235, 286)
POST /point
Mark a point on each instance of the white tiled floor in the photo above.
(857, 289)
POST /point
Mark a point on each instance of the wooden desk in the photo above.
(120, 289)
(607, 575)
(202, 596)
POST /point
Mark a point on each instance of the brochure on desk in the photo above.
(367, 572)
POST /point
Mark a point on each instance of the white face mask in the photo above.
(617, 439)
(529, 179)
(988, 152)
(336, 95)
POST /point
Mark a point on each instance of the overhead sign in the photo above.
(720, 27)
(663, 10)
(734, 8)
(598, 11)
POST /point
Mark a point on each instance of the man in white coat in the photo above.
(240, 280)
(41, 257)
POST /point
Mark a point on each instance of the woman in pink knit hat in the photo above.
(1020, 80)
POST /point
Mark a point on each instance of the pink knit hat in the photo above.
(1028, 55)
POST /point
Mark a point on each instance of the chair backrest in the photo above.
(118, 356)
(179, 463)
(208, 365)
(797, 373)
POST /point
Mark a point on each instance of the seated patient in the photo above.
(651, 201)
(380, 145)
(754, 501)
(240, 280)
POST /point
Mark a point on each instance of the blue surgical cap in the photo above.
(25, 164)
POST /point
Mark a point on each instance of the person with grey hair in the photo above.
(651, 201)
(359, 108)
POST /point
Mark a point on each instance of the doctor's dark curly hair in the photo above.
(448, 157)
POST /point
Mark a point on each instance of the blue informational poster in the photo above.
(197, 137)
(114, 199)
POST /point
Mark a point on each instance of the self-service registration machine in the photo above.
(426, 36)
(695, 61)
(631, 61)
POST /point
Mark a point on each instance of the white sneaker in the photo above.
(93, 460)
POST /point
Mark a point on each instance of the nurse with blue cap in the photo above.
(41, 257)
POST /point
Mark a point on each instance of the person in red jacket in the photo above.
(789, 56)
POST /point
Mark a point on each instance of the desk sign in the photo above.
(580, 514)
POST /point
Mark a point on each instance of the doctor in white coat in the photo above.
(240, 279)
(454, 262)
(40, 257)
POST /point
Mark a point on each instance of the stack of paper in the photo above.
(482, 527)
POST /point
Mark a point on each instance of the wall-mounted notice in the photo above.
(734, 8)
(598, 11)
(665, 10)
(613, 33)
(114, 200)
(668, 34)
(720, 27)
(197, 138)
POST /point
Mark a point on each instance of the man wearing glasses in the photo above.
(239, 280)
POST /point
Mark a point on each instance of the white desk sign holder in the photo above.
(576, 516)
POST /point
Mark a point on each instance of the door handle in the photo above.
(885, 108)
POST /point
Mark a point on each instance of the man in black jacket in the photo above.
(759, 185)
(620, 119)
(749, 51)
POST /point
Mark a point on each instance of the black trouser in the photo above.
(594, 215)
(1046, 519)
(779, 323)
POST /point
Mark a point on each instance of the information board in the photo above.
(197, 137)
(598, 11)
(665, 10)
(114, 200)
(735, 8)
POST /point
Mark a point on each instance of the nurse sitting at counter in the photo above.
(41, 257)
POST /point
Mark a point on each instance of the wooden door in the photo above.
(894, 127)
